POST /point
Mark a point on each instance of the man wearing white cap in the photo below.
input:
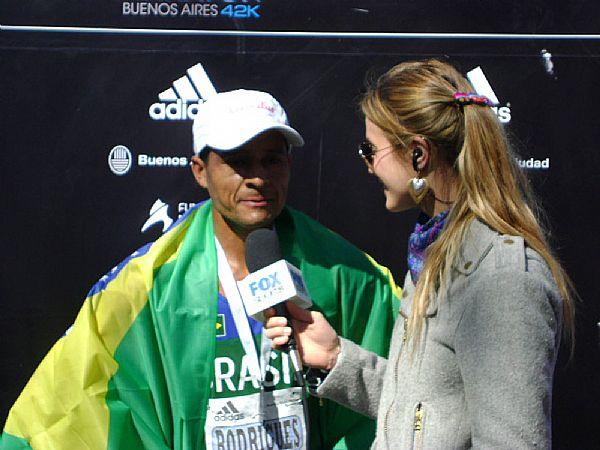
(163, 355)
(242, 145)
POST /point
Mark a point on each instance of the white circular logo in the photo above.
(120, 160)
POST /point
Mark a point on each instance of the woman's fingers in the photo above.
(295, 312)
(298, 313)
(280, 341)
(277, 328)
(280, 331)
(317, 341)
(276, 321)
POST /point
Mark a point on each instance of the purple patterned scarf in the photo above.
(426, 231)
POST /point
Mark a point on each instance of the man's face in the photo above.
(248, 187)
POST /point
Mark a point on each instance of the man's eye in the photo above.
(237, 162)
(275, 159)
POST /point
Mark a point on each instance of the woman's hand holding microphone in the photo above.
(318, 343)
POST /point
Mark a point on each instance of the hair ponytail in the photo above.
(418, 98)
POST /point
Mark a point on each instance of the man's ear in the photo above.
(199, 171)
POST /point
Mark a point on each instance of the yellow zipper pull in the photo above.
(418, 425)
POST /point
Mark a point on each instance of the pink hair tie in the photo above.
(463, 98)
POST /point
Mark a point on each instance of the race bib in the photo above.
(263, 421)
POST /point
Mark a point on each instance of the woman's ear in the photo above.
(420, 153)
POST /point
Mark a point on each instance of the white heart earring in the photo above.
(417, 187)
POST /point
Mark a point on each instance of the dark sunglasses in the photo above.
(367, 151)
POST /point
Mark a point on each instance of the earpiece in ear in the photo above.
(417, 153)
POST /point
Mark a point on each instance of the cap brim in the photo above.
(230, 141)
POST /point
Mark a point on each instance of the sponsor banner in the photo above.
(159, 215)
(231, 9)
(123, 131)
(534, 164)
(121, 160)
(482, 87)
(309, 15)
(181, 100)
(268, 420)
(144, 160)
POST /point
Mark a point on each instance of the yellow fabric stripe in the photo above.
(396, 290)
(63, 405)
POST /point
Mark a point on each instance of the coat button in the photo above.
(509, 241)
(404, 293)
(468, 264)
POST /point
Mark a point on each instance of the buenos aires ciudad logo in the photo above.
(119, 160)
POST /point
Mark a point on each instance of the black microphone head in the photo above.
(262, 249)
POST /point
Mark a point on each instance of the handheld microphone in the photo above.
(271, 282)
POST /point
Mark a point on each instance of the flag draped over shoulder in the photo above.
(134, 371)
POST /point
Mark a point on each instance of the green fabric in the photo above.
(10, 442)
(159, 395)
(157, 399)
(161, 388)
(358, 302)
(230, 353)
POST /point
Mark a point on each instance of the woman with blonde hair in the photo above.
(473, 351)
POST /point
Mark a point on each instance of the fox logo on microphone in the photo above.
(271, 285)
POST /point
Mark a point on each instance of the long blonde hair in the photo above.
(416, 99)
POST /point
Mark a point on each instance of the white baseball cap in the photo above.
(228, 120)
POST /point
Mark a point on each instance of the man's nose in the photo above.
(258, 174)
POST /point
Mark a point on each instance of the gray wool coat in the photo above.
(483, 376)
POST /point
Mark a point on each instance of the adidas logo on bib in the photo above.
(227, 413)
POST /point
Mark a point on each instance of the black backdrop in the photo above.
(68, 98)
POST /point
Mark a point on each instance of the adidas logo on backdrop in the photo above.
(483, 87)
(181, 101)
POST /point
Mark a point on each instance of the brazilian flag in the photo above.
(134, 371)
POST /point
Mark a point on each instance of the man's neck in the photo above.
(233, 241)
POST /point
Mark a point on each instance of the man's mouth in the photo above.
(257, 201)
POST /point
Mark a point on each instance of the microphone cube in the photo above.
(273, 284)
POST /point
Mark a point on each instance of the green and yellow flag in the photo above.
(134, 371)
